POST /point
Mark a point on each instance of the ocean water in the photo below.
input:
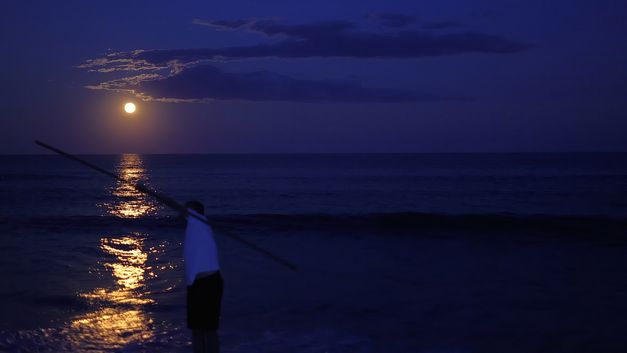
(395, 253)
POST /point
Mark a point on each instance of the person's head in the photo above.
(196, 206)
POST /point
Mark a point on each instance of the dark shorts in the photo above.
(204, 301)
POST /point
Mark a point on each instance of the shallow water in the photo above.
(395, 253)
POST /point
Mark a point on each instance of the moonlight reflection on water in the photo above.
(121, 318)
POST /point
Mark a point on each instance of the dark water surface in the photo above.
(396, 253)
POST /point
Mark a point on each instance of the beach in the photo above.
(395, 253)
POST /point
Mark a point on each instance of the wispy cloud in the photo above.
(120, 61)
(183, 74)
(222, 25)
(328, 39)
(442, 25)
(394, 20)
(206, 83)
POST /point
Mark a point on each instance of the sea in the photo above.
(433, 253)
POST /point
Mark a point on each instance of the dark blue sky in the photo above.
(323, 76)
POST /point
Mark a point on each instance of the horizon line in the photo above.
(320, 153)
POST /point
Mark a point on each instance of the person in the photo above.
(204, 281)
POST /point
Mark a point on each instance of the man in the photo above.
(204, 282)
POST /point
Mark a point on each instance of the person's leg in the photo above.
(198, 341)
(205, 341)
(204, 304)
(212, 342)
(214, 302)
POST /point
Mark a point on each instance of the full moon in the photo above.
(129, 108)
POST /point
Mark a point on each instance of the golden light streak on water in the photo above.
(120, 319)
(130, 203)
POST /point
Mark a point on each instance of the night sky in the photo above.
(316, 76)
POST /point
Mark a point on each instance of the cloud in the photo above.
(222, 25)
(327, 39)
(184, 75)
(272, 27)
(442, 25)
(394, 20)
(121, 61)
(206, 82)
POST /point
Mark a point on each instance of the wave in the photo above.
(69, 302)
(398, 222)
(414, 222)
(39, 177)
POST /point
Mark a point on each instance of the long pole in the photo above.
(166, 200)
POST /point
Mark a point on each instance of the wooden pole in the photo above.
(168, 201)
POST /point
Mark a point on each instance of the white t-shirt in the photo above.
(199, 248)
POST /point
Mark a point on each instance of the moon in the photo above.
(130, 108)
